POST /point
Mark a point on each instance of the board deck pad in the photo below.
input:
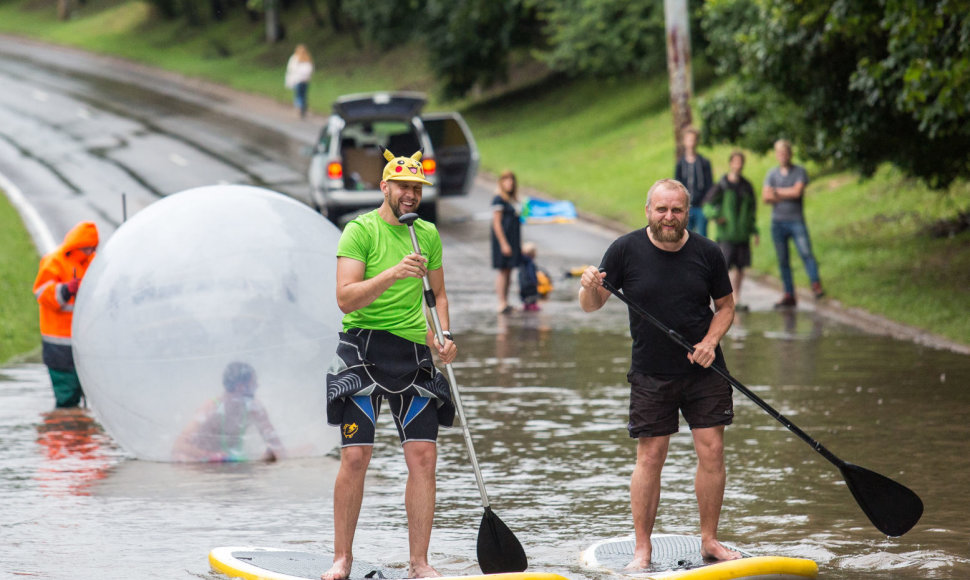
(306, 565)
(675, 557)
(669, 552)
(254, 563)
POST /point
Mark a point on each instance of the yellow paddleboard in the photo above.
(276, 564)
(677, 557)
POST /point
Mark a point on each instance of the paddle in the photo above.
(893, 508)
(499, 550)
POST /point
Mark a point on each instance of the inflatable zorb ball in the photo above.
(205, 325)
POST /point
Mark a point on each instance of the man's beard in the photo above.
(662, 235)
(396, 207)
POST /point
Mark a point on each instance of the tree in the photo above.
(387, 24)
(469, 41)
(856, 84)
(603, 37)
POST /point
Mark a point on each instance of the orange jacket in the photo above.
(56, 269)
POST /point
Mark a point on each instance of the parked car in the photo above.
(347, 163)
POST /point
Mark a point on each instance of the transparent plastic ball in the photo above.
(205, 325)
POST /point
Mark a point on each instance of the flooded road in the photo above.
(545, 394)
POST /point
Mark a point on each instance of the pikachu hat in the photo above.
(404, 168)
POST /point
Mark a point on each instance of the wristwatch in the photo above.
(447, 334)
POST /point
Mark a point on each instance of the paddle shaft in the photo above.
(679, 339)
(429, 300)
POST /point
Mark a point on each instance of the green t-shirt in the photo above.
(379, 245)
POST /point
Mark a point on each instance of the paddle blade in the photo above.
(499, 551)
(892, 507)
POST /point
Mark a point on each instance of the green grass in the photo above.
(18, 267)
(598, 143)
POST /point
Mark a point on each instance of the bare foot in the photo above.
(713, 550)
(639, 562)
(339, 571)
(422, 571)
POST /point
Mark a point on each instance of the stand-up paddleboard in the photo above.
(679, 557)
(277, 564)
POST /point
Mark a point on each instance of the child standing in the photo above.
(534, 283)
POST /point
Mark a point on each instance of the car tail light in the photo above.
(429, 166)
(335, 170)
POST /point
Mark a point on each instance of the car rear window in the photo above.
(360, 145)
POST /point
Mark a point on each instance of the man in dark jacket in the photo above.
(694, 171)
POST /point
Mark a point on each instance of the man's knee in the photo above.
(709, 445)
(652, 452)
(421, 455)
(356, 457)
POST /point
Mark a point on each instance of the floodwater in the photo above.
(545, 394)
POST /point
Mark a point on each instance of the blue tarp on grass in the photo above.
(542, 211)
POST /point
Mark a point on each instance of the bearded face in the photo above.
(668, 230)
(402, 196)
(667, 215)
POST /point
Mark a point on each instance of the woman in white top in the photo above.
(299, 69)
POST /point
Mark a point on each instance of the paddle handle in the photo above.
(679, 339)
(430, 302)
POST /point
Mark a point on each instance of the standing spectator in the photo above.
(299, 69)
(731, 204)
(506, 237)
(784, 190)
(675, 275)
(694, 171)
(58, 279)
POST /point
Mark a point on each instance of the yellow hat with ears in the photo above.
(404, 168)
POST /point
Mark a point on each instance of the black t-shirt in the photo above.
(674, 287)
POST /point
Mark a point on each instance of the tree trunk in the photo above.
(65, 9)
(678, 66)
(273, 30)
(335, 11)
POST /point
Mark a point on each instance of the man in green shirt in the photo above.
(384, 355)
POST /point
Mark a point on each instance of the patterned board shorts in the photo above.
(375, 365)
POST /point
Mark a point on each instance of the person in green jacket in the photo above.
(732, 205)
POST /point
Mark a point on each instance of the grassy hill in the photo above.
(598, 143)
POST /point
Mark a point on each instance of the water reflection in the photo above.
(74, 460)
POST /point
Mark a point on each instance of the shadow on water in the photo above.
(546, 397)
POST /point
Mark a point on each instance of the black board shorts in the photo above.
(704, 398)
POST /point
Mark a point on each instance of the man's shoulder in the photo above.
(703, 244)
(363, 225)
(628, 242)
(425, 226)
(632, 237)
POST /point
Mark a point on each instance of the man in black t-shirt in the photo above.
(673, 275)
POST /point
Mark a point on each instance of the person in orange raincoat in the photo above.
(55, 287)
